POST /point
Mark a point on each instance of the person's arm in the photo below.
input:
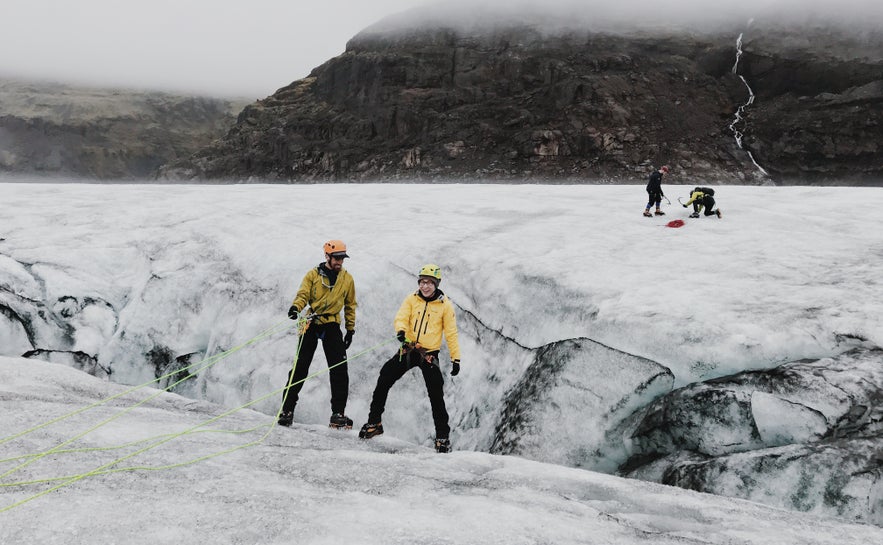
(302, 299)
(402, 316)
(450, 329)
(656, 182)
(349, 305)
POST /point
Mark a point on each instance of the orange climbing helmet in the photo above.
(336, 248)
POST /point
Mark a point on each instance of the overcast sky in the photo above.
(250, 48)
(221, 47)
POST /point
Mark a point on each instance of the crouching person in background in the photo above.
(702, 197)
(423, 319)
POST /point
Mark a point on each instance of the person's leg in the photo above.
(394, 369)
(709, 205)
(338, 375)
(308, 342)
(432, 376)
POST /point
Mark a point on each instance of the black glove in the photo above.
(685, 206)
(401, 336)
(293, 312)
(348, 338)
(455, 367)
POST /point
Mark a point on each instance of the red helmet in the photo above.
(335, 248)
(664, 168)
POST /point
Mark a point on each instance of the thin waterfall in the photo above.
(738, 117)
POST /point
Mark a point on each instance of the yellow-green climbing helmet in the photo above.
(431, 271)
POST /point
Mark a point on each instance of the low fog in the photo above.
(250, 49)
(226, 48)
(680, 15)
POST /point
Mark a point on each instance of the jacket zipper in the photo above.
(425, 308)
(330, 288)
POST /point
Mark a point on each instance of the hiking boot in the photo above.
(647, 214)
(659, 212)
(340, 422)
(370, 430)
(286, 418)
(443, 445)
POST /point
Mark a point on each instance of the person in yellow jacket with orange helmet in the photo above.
(326, 289)
(423, 320)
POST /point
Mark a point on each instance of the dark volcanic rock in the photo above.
(510, 104)
(819, 109)
(516, 101)
(59, 130)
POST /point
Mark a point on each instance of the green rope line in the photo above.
(117, 447)
(260, 336)
(106, 468)
(121, 413)
(300, 340)
(37, 456)
(132, 443)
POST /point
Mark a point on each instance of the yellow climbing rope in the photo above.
(162, 439)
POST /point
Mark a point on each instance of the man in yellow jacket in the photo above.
(326, 289)
(424, 318)
(702, 197)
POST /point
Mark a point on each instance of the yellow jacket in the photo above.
(426, 321)
(316, 291)
(695, 196)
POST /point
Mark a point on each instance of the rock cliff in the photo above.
(521, 101)
(61, 130)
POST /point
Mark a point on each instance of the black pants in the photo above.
(654, 198)
(708, 202)
(394, 369)
(335, 352)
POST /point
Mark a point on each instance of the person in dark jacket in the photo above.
(654, 190)
(424, 318)
(702, 197)
(327, 289)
